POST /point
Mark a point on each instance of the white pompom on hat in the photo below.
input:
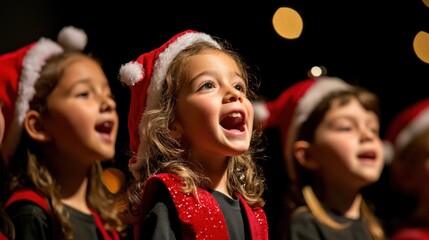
(20, 70)
(146, 76)
(406, 126)
(292, 108)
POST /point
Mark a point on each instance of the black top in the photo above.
(32, 222)
(162, 221)
(304, 226)
(83, 225)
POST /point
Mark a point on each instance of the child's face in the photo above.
(81, 114)
(347, 146)
(213, 112)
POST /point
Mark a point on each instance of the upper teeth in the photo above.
(235, 115)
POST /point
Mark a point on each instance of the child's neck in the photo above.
(219, 184)
(218, 177)
(72, 177)
(346, 203)
(75, 196)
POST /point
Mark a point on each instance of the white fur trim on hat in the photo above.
(388, 152)
(261, 112)
(413, 129)
(32, 64)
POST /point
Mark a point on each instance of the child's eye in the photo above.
(344, 128)
(206, 85)
(376, 131)
(82, 94)
(240, 87)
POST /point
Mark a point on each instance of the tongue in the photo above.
(104, 128)
(230, 123)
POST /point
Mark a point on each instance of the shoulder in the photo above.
(27, 196)
(30, 221)
(27, 206)
(302, 225)
(302, 214)
(26, 209)
(302, 220)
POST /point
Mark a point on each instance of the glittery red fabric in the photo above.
(202, 217)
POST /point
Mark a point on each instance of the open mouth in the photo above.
(104, 127)
(233, 121)
(369, 156)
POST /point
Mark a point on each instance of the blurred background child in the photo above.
(407, 142)
(332, 149)
(63, 122)
(191, 130)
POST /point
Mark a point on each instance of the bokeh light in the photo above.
(421, 46)
(287, 23)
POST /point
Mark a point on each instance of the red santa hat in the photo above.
(291, 109)
(146, 77)
(405, 127)
(19, 71)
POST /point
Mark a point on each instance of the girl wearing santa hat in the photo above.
(192, 139)
(407, 145)
(61, 121)
(332, 149)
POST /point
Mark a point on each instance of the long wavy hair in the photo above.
(305, 188)
(30, 170)
(164, 154)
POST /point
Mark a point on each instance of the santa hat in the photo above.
(292, 108)
(146, 76)
(19, 71)
(406, 126)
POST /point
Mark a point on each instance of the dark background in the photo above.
(364, 42)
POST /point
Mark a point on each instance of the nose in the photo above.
(233, 95)
(367, 135)
(108, 104)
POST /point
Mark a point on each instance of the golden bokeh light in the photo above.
(421, 46)
(287, 23)
(426, 2)
(113, 179)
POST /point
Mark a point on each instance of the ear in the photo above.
(34, 126)
(302, 153)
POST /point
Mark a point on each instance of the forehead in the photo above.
(212, 60)
(352, 107)
(83, 67)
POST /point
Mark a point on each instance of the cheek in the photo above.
(68, 118)
(333, 148)
(194, 114)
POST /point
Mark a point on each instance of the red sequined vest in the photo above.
(202, 218)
